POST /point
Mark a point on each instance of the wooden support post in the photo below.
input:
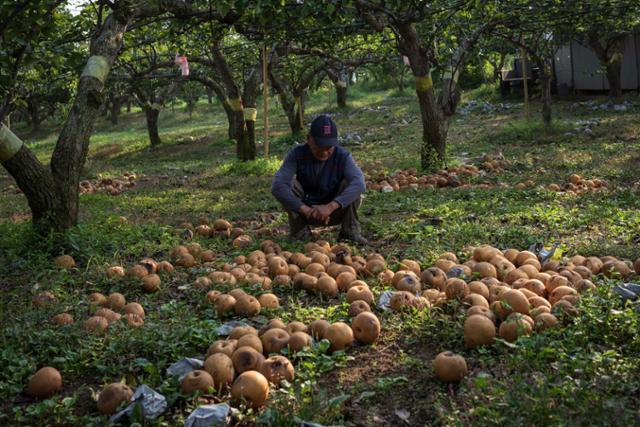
(525, 83)
(265, 103)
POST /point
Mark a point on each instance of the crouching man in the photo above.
(320, 184)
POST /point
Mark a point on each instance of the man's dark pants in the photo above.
(347, 216)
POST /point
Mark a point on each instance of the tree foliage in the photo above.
(40, 51)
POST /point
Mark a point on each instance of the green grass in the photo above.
(584, 374)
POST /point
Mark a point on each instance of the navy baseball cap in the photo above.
(324, 131)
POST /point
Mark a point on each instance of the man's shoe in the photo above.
(302, 235)
(353, 237)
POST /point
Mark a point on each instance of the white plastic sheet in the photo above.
(151, 403)
(184, 366)
(210, 416)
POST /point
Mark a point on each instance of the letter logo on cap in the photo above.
(327, 129)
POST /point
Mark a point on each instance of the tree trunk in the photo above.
(71, 149)
(237, 129)
(434, 114)
(250, 99)
(614, 71)
(434, 123)
(247, 139)
(214, 86)
(339, 84)
(36, 182)
(151, 115)
(209, 95)
(401, 80)
(230, 117)
(244, 149)
(291, 93)
(496, 74)
(191, 105)
(116, 105)
(231, 127)
(104, 110)
(298, 128)
(610, 59)
(498, 71)
(434, 132)
(249, 149)
(341, 94)
(5, 110)
(34, 114)
(290, 111)
(545, 83)
(289, 108)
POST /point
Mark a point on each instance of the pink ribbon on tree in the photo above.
(181, 60)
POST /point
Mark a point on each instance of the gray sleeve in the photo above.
(281, 185)
(355, 183)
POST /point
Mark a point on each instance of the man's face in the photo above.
(320, 153)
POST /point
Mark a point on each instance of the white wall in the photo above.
(587, 73)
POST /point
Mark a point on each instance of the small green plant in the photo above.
(302, 401)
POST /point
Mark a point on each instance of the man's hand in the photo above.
(323, 213)
(306, 211)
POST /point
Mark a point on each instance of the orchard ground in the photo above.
(586, 373)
